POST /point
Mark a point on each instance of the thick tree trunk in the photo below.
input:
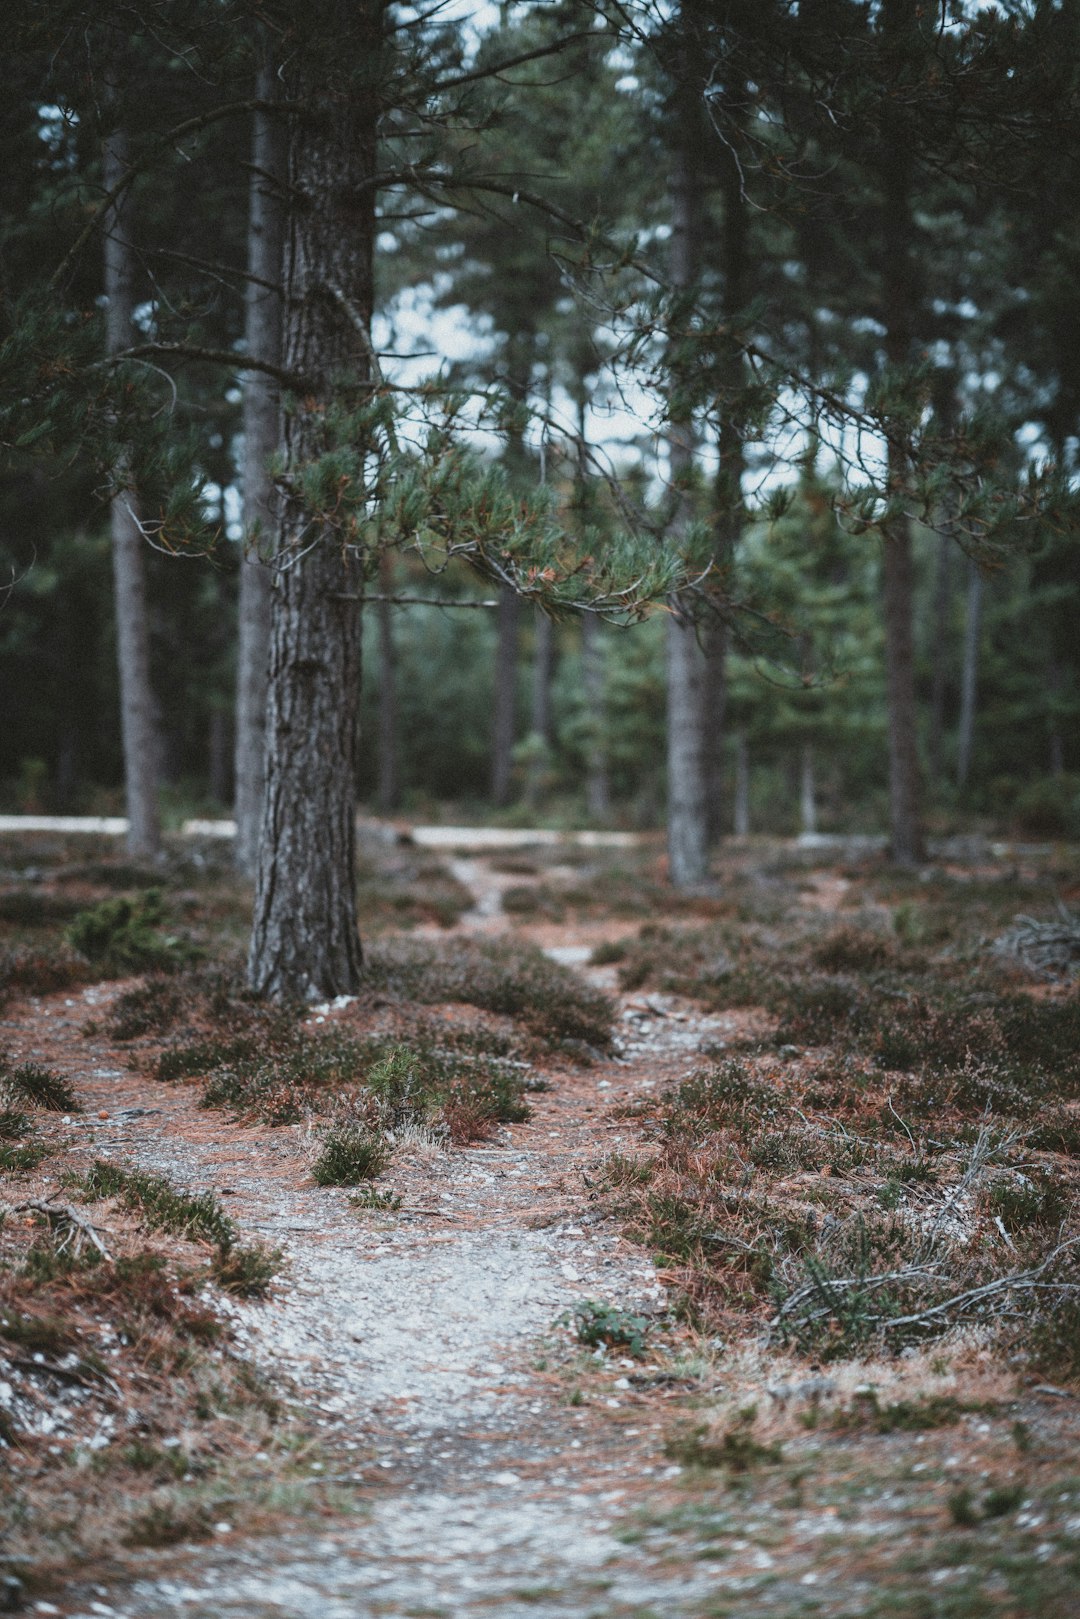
(138, 731)
(969, 678)
(262, 434)
(389, 790)
(305, 940)
(597, 787)
(503, 724)
(686, 717)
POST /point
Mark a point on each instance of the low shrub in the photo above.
(124, 935)
(350, 1155)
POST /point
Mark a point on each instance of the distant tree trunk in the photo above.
(597, 787)
(506, 654)
(742, 788)
(262, 433)
(900, 18)
(939, 652)
(1055, 681)
(904, 793)
(970, 674)
(304, 939)
(138, 732)
(686, 717)
(389, 791)
(730, 469)
(542, 675)
(219, 750)
(807, 789)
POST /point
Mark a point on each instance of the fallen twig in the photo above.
(77, 1230)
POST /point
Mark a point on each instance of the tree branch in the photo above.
(192, 351)
(190, 126)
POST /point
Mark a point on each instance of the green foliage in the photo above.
(607, 1326)
(125, 936)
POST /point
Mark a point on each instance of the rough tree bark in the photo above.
(304, 939)
(686, 768)
(262, 432)
(138, 730)
(899, 18)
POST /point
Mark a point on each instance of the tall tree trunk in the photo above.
(597, 787)
(899, 22)
(939, 652)
(742, 787)
(140, 743)
(262, 433)
(543, 671)
(686, 728)
(304, 939)
(729, 476)
(970, 674)
(389, 790)
(502, 737)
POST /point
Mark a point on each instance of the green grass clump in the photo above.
(350, 1155)
(244, 1269)
(124, 935)
(21, 1158)
(247, 1269)
(155, 1199)
(736, 1450)
(908, 1416)
(150, 1008)
(43, 1088)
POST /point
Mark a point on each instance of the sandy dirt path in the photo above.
(418, 1338)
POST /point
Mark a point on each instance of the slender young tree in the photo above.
(899, 24)
(138, 730)
(686, 757)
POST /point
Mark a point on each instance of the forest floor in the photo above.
(541, 1366)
